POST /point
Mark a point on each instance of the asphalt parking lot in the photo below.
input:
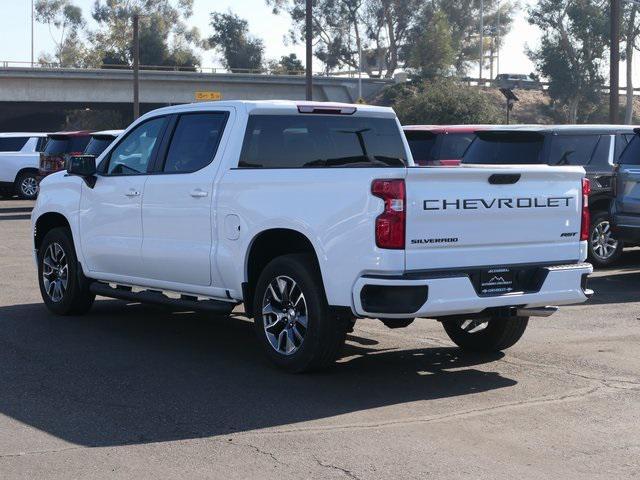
(133, 391)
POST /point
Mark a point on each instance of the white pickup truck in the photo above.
(312, 215)
(19, 157)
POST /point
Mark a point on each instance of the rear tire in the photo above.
(63, 286)
(293, 321)
(499, 333)
(26, 186)
(604, 249)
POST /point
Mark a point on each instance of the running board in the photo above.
(158, 298)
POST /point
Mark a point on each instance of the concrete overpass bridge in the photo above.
(37, 98)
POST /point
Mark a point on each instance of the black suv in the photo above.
(594, 147)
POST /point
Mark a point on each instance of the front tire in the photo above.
(64, 288)
(494, 335)
(293, 321)
(604, 248)
(26, 186)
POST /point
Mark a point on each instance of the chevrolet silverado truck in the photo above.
(312, 215)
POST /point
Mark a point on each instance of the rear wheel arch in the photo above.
(25, 170)
(266, 246)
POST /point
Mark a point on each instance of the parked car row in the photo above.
(26, 158)
(63, 145)
(596, 148)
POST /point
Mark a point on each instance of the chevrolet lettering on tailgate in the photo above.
(498, 203)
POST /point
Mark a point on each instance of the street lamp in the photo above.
(136, 66)
(614, 64)
(614, 60)
(309, 50)
(481, 40)
(32, 21)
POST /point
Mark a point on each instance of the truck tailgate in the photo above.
(492, 216)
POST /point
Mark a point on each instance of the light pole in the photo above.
(614, 63)
(481, 40)
(498, 42)
(136, 66)
(32, 22)
(359, 70)
(309, 50)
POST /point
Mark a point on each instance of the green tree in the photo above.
(165, 39)
(431, 52)
(571, 52)
(338, 29)
(386, 30)
(287, 65)
(445, 102)
(463, 17)
(240, 51)
(65, 23)
(388, 24)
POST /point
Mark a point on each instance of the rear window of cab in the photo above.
(316, 141)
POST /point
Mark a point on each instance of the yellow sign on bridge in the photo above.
(208, 96)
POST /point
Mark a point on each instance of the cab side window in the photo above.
(194, 142)
(134, 153)
(12, 144)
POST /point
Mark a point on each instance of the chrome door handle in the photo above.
(198, 193)
(132, 193)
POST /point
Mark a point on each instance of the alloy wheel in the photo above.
(285, 315)
(29, 186)
(55, 272)
(603, 245)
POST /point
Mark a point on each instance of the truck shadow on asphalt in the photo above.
(615, 288)
(618, 284)
(128, 374)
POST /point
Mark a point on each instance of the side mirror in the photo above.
(83, 166)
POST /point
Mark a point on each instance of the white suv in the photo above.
(19, 157)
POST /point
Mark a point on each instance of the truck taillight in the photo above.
(390, 224)
(586, 216)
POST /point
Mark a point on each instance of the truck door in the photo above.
(177, 218)
(110, 212)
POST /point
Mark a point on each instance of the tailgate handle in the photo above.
(504, 178)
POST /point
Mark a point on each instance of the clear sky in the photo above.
(15, 32)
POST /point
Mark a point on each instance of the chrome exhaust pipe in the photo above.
(536, 311)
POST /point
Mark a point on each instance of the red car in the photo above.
(440, 145)
(59, 148)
